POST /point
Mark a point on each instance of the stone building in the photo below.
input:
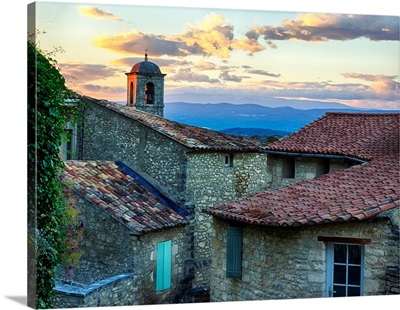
(316, 234)
(194, 167)
(189, 166)
(132, 232)
(189, 170)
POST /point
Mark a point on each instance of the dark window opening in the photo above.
(322, 167)
(131, 93)
(229, 160)
(149, 96)
(69, 144)
(288, 167)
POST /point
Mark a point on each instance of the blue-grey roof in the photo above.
(147, 67)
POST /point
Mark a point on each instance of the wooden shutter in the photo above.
(163, 272)
(234, 252)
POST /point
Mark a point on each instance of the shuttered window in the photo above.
(163, 272)
(234, 252)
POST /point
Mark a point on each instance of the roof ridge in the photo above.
(362, 113)
(193, 137)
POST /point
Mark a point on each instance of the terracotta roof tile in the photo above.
(366, 190)
(356, 193)
(120, 195)
(361, 135)
(195, 138)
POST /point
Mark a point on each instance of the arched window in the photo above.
(131, 93)
(149, 96)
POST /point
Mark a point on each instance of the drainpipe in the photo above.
(361, 161)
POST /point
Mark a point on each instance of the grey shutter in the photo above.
(234, 252)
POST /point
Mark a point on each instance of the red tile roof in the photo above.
(106, 185)
(195, 138)
(356, 193)
(360, 135)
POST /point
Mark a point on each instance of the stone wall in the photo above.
(147, 259)
(192, 180)
(113, 291)
(305, 168)
(392, 281)
(287, 263)
(108, 135)
(210, 182)
(109, 249)
(157, 107)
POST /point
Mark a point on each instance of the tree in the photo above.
(47, 94)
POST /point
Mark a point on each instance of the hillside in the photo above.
(251, 132)
(220, 116)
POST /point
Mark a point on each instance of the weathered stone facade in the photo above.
(287, 263)
(145, 88)
(108, 135)
(211, 182)
(193, 180)
(303, 168)
(113, 291)
(392, 281)
(110, 249)
(277, 262)
(139, 84)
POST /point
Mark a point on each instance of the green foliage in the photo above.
(267, 139)
(46, 203)
(73, 231)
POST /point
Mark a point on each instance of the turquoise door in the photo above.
(163, 271)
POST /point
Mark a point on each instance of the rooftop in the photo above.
(146, 67)
(195, 138)
(357, 193)
(119, 194)
(360, 135)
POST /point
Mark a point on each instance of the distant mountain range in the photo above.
(221, 116)
(265, 101)
(251, 132)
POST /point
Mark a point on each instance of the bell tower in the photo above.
(145, 87)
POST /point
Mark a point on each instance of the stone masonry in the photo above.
(291, 263)
(193, 180)
(109, 250)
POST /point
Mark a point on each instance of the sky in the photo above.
(226, 54)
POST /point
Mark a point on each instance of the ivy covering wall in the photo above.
(48, 214)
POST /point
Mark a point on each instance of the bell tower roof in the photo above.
(146, 67)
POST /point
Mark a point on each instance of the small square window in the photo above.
(229, 160)
(322, 167)
(288, 167)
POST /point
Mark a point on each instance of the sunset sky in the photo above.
(226, 55)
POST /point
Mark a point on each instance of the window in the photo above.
(69, 149)
(229, 160)
(288, 167)
(149, 97)
(68, 145)
(164, 260)
(322, 167)
(234, 252)
(345, 269)
(131, 93)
